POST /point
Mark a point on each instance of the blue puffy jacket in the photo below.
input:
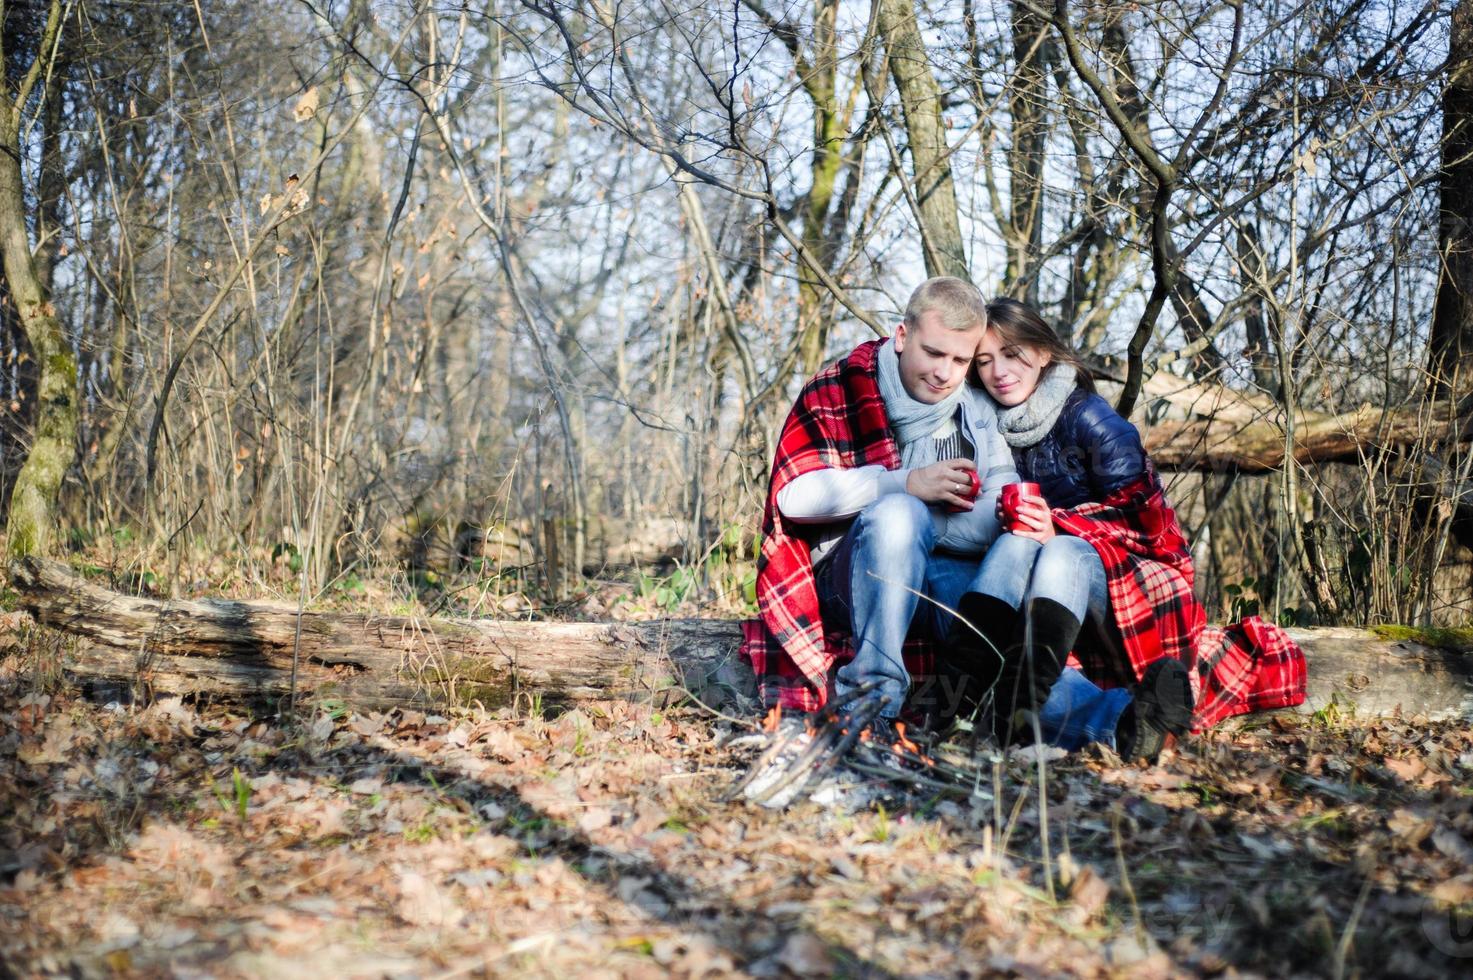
(1089, 453)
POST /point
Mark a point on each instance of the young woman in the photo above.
(1095, 563)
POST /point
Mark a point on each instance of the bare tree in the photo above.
(934, 194)
(1451, 343)
(30, 526)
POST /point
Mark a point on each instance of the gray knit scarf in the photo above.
(914, 421)
(1025, 424)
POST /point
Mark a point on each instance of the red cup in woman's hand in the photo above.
(970, 491)
(1012, 495)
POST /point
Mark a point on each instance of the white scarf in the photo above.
(1024, 425)
(914, 422)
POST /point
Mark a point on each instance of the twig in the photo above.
(1135, 908)
(1347, 935)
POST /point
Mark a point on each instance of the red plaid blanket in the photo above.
(1243, 667)
(1235, 669)
(838, 421)
(1149, 570)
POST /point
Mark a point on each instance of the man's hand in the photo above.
(1035, 519)
(946, 482)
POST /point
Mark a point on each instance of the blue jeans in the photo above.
(883, 583)
(1077, 712)
(1067, 570)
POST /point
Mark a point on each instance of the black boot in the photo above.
(975, 648)
(1032, 665)
(1160, 711)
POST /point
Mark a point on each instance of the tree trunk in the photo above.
(1256, 323)
(1450, 344)
(818, 81)
(920, 101)
(1451, 341)
(30, 527)
(245, 650)
(1027, 99)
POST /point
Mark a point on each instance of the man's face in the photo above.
(934, 359)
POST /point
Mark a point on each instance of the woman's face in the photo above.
(1009, 373)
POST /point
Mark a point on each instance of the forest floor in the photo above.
(192, 840)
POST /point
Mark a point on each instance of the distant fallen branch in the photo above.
(1228, 441)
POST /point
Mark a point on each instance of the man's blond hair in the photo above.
(959, 302)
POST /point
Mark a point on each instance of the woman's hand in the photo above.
(946, 482)
(1035, 519)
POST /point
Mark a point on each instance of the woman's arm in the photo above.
(1109, 446)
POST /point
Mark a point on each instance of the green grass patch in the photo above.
(1459, 638)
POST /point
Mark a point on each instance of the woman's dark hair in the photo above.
(1019, 325)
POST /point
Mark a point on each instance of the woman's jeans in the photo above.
(1067, 570)
(884, 583)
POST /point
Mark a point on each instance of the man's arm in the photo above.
(827, 495)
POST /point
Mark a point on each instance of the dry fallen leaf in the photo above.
(1454, 891)
(595, 819)
(806, 955)
(52, 750)
(327, 815)
(423, 903)
(1410, 828)
(1406, 770)
(322, 728)
(306, 106)
(1089, 891)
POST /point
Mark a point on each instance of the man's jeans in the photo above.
(883, 583)
(1077, 712)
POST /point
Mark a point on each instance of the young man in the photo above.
(882, 500)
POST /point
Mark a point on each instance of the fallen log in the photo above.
(1356, 671)
(265, 650)
(1256, 445)
(255, 649)
(1211, 426)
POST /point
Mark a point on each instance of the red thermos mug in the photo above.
(1010, 497)
(970, 491)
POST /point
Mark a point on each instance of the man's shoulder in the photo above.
(859, 361)
(861, 358)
